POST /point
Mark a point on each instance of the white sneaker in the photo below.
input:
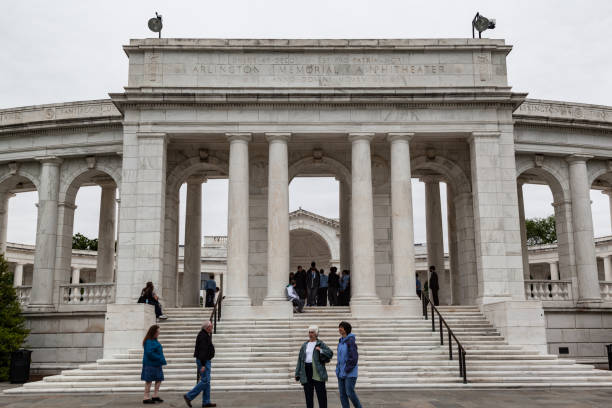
(163, 317)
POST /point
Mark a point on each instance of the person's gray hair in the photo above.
(314, 329)
(207, 324)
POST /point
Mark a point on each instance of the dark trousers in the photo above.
(322, 299)
(434, 293)
(312, 297)
(298, 304)
(332, 295)
(419, 293)
(311, 386)
(210, 298)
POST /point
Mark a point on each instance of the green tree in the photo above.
(80, 241)
(541, 230)
(12, 324)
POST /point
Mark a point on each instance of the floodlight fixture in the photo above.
(481, 23)
(155, 24)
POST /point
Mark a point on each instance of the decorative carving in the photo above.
(13, 168)
(91, 162)
(204, 155)
(317, 154)
(538, 160)
(430, 153)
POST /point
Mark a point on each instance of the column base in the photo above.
(125, 326)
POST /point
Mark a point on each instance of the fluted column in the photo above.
(237, 289)
(609, 194)
(46, 235)
(4, 206)
(278, 219)
(76, 275)
(523, 228)
(363, 273)
(193, 242)
(105, 263)
(554, 271)
(18, 275)
(453, 248)
(433, 220)
(584, 246)
(607, 261)
(404, 282)
(345, 225)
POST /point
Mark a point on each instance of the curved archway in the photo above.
(307, 246)
(179, 174)
(327, 233)
(455, 175)
(324, 164)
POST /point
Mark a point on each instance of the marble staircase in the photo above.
(393, 353)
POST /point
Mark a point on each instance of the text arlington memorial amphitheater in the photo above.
(373, 114)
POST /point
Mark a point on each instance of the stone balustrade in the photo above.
(87, 294)
(606, 291)
(548, 290)
(23, 294)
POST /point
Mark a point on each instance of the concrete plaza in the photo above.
(424, 398)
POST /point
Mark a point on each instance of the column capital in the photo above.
(67, 205)
(607, 192)
(278, 137)
(50, 160)
(521, 180)
(353, 137)
(197, 179)
(399, 136)
(432, 179)
(482, 135)
(239, 137)
(578, 158)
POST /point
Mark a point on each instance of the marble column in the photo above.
(584, 246)
(105, 263)
(554, 271)
(193, 242)
(453, 248)
(4, 206)
(237, 288)
(345, 225)
(278, 220)
(434, 232)
(607, 262)
(404, 281)
(46, 235)
(76, 276)
(523, 227)
(18, 275)
(363, 272)
(609, 194)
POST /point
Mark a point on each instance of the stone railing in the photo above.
(87, 294)
(606, 291)
(23, 294)
(548, 290)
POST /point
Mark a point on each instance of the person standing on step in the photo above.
(434, 287)
(204, 353)
(152, 362)
(300, 280)
(333, 283)
(312, 284)
(323, 284)
(210, 288)
(310, 369)
(418, 286)
(346, 367)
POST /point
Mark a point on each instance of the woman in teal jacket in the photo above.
(310, 369)
(152, 362)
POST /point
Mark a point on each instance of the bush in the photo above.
(12, 323)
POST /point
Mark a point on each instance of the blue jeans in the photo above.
(346, 386)
(202, 386)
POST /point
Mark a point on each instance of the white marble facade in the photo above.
(372, 113)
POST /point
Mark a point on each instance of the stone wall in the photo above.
(64, 340)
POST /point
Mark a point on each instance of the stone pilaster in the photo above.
(554, 271)
(607, 261)
(76, 276)
(193, 242)
(584, 246)
(18, 275)
(345, 226)
(278, 223)
(453, 250)
(171, 276)
(523, 227)
(4, 207)
(237, 294)
(609, 194)
(404, 282)
(46, 235)
(434, 233)
(105, 263)
(363, 278)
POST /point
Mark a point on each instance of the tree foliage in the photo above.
(80, 241)
(541, 230)
(12, 324)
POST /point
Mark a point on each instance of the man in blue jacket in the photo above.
(346, 367)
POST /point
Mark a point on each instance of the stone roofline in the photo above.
(137, 45)
(319, 218)
(103, 111)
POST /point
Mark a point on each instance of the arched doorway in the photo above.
(307, 246)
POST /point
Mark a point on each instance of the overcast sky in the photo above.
(59, 51)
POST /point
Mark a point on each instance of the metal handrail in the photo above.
(215, 315)
(462, 367)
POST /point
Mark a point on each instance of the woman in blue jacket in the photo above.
(346, 367)
(152, 362)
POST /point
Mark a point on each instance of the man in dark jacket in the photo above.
(300, 283)
(333, 282)
(312, 284)
(433, 285)
(204, 352)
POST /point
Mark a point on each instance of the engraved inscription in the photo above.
(564, 111)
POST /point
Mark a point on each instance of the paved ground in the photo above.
(521, 398)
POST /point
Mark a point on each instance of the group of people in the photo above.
(310, 370)
(314, 288)
(431, 285)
